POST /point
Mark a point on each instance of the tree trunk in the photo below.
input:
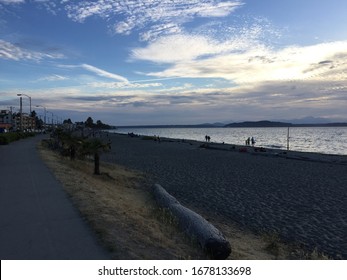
(72, 152)
(210, 238)
(96, 163)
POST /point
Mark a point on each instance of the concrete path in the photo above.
(37, 219)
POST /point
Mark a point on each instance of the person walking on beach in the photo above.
(253, 141)
(248, 141)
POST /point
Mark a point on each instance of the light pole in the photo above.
(45, 110)
(21, 114)
(11, 114)
(52, 118)
(21, 94)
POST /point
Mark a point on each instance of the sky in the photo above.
(175, 62)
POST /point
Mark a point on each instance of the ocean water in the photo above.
(326, 140)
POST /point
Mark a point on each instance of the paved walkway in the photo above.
(37, 219)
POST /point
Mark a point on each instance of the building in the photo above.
(28, 123)
(12, 121)
(6, 121)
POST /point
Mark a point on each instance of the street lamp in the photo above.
(20, 94)
(45, 112)
(52, 118)
(21, 113)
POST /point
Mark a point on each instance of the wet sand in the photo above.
(302, 197)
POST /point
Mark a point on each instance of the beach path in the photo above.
(37, 219)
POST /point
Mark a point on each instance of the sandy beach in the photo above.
(302, 197)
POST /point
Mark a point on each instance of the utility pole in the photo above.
(20, 94)
(21, 114)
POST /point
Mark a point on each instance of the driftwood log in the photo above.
(211, 240)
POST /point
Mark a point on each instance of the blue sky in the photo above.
(174, 61)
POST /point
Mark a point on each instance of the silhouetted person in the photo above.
(253, 141)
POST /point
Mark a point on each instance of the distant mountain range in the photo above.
(282, 124)
(310, 120)
(303, 122)
(245, 124)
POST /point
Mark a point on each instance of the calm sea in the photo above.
(327, 140)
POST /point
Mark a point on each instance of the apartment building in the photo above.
(9, 121)
(6, 120)
(28, 123)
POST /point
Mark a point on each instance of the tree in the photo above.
(72, 146)
(94, 147)
(99, 124)
(33, 114)
(38, 122)
(89, 122)
(68, 121)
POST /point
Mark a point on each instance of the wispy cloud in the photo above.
(12, 1)
(188, 47)
(103, 73)
(157, 16)
(209, 40)
(152, 18)
(244, 60)
(125, 85)
(10, 51)
(53, 78)
(97, 71)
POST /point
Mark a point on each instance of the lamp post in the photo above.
(21, 94)
(52, 118)
(45, 110)
(21, 114)
(11, 114)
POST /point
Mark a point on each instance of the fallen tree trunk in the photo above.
(210, 238)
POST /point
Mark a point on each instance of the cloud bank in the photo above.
(244, 60)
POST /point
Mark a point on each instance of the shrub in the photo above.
(6, 138)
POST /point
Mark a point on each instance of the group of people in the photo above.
(249, 141)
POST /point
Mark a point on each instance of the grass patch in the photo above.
(119, 207)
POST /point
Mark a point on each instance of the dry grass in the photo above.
(119, 207)
(121, 210)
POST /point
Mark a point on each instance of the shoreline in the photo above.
(310, 141)
(256, 150)
(302, 199)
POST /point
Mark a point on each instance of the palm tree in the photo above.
(94, 147)
(67, 143)
(72, 145)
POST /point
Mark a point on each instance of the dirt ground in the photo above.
(119, 207)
